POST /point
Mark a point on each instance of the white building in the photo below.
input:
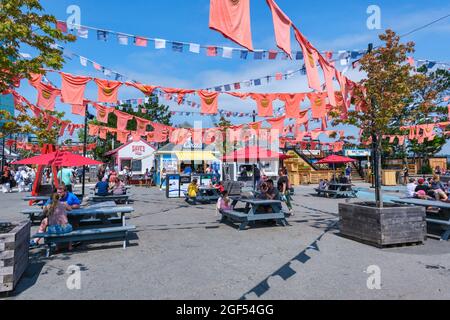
(136, 155)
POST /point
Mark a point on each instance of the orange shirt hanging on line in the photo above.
(292, 103)
(107, 90)
(311, 56)
(46, 96)
(122, 120)
(264, 103)
(103, 112)
(145, 89)
(232, 19)
(318, 104)
(73, 87)
(209, 101)
(282, 25)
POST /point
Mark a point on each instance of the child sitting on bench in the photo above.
(192, 191)
(224, 202)
(56, 221)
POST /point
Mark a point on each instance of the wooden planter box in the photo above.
(13, 254)
(392, 225)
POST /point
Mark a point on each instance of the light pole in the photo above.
(86, 118)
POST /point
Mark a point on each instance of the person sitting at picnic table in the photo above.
(102, 187)
(323, 184)
(438, 188)
(219, 186)
(425, 188)
(343, 179)
(56, 221)
(118, 187)
(268, 192)
(193, 191)
(411, 188)
(224, 202)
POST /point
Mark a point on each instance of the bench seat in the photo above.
(95, 235)
(114, 198)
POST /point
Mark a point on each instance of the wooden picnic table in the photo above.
(36, 198)
(114, 197)
(255, 210)
(99, 213)
(338, 190)
(205, 194)
(445, 207)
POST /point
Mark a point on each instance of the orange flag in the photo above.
(232, 19)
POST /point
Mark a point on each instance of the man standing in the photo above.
(405, 175)
(66, 176)
(348, 173)
(256, 176)
(284, 188)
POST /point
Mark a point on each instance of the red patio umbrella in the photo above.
(58, 159)
(335, 160)
(254, 154)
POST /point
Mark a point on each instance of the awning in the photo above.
(195, 156)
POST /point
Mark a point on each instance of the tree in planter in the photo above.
(22, 24)
(390, 87)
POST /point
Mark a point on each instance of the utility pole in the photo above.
(3, 153)
(85, 148)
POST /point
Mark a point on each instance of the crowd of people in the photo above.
(23, 178)
(427, 189)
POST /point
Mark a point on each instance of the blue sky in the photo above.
(329, 25)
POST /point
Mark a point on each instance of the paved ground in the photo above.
(182, 252)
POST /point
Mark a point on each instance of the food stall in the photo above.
(138, 156)
(183, 163)
(244, 159)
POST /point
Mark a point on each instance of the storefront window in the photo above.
(125, 163)
(136, 166)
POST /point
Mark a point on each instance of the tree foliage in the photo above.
(389, 96)
(153, 112)
(28, 124)
(24, 27)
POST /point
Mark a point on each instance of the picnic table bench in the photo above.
(205, 195)
(116, 198)
(338, 190)
(252, 213)
(445, 207)
(86, 235)
(104, 215)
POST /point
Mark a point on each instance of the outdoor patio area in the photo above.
(183, 252)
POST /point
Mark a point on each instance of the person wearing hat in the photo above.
(423, 190)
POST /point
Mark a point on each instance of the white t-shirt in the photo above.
(411, 187)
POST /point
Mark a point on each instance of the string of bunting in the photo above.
(36, 148)
(125, 39)
(66, 125)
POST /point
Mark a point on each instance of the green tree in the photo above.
(390, 87)
(26, 124)
(24, 26)
(153, 112)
